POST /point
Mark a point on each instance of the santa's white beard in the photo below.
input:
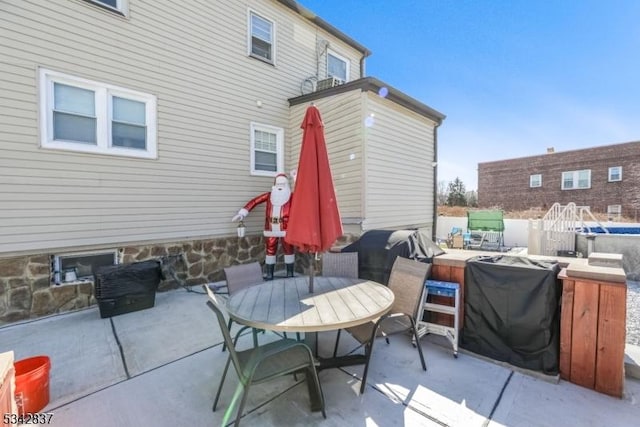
(280, 196)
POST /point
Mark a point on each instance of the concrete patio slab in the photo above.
(174, 358)
(82, 348)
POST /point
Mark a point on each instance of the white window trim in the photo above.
(122, 6)
(273, 37)
(279, 148)
(615, 180)
(531, 180)
(104, 93)
(576, 175)
(342, 58)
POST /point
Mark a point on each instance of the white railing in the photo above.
(556, 231)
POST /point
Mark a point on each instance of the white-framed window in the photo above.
(535, 180)
(614, 211)
(261, 37)
(267, 150)
(573, 180)
(615, 173)
(121, 6)
(337, 66)
(77, 114)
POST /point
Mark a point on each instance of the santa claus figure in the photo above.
(275, 227)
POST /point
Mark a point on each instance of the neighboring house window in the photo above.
(261, 37)
(614, 211)
(121, 6)
(573, 180)
(82, 115)
(337, 66)
(267, 149)
(615, 173)
(535, 180)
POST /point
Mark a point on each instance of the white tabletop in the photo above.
(285, 305)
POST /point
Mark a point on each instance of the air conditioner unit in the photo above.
(329, 83)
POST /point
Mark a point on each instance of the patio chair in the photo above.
(239, 277)
(340, 264)
(264, 363)
(407, 281)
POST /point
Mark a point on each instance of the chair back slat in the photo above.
(342, 264)
(407, 280)
(243, 275)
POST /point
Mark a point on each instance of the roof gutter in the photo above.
(311, 16)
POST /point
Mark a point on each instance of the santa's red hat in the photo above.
(279, 175)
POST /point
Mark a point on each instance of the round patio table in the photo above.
(285, 305)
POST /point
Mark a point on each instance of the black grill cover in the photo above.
(378, 249)
(512, 311)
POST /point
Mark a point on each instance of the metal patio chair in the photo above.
(264, 363)
(340, 264)
(407, 281)
(239, 277)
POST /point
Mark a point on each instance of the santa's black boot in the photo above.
(270, 268)
(289, 270)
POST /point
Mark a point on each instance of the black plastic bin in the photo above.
(127, 287)
(512, 311)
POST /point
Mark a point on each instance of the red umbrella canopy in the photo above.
(314, 219)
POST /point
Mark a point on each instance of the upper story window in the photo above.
(573, 180)
(121, 6)
(267, 150)
(337, 66)
(261, 37)
(535, 180)
(82, 115)
(615, 173)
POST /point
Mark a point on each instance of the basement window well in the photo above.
(80, 267)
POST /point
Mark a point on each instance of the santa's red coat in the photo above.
(283, 218)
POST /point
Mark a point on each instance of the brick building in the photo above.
(606, 179)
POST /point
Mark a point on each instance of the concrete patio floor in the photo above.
(161, 367)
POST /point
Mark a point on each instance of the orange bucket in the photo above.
(32, 384)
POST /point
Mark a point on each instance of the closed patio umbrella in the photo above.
(314, 219)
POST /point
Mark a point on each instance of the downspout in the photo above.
(362, 73)
(435, 182)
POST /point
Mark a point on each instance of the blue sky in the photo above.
(513, 77)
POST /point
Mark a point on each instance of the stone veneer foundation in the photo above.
(26, 289)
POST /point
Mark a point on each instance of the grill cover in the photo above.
(378, 249)
(512, 311)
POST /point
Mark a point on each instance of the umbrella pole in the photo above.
(312, 271)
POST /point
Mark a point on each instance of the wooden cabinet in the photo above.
(592, 333)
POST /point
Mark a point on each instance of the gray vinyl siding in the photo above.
(193, 57)
(341, 115)
(399, 172)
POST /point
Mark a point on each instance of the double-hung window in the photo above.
(261, 37)
(337, 66)
(535, 180)
(267, 150)
(83, 115)
(615, 173)
(573, 180)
